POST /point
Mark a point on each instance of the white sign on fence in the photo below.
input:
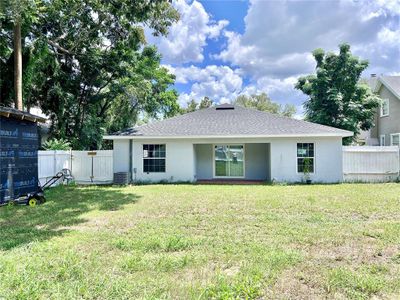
(84, 167)
(370, 163)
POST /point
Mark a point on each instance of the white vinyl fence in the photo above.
(370, 164)
(360, 163)
(50, 162)
(86, 166)
(92, 166)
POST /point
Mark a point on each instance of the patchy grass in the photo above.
(199, 241)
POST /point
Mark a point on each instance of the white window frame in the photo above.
(391, 139)
(382, 137)
(165, 159)
(314, 158)
(383, 102)
(244, 161)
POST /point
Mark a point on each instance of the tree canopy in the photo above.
(205, 103)
(192, 105)
(264, 103)
(336, 97)
(87, 66)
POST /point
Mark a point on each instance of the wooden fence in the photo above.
(86, 166)
(370, 164)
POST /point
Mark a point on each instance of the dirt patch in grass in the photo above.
(297, 283)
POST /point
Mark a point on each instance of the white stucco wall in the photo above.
(328, 159)
(181, 160)
(121, 156)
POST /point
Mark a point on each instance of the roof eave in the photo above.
(147, 137)
(5, 112)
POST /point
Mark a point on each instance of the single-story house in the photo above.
(229, 142)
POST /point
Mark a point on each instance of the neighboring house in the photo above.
(386, 131)
(229, 142)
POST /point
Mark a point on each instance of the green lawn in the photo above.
(202, 241)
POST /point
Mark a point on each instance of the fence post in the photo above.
(55, 162)
(70, 160)
(398, 163)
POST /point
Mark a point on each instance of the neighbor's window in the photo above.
(385, 108)
(305, 152)
(382, 140)
(395, 139)
(154, 158)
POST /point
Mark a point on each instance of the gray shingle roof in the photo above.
(228, 120)
(393, 82)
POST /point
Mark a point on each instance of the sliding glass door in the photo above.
(229, 160)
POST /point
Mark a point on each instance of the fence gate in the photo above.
(370, 164)
(92, 166)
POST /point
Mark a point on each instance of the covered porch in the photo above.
(232, 163)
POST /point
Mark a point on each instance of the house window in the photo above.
(305, 157)
(385, 108)
(395, 139)
(382, 140)
(154, 158)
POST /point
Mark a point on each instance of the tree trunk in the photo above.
(18, 65)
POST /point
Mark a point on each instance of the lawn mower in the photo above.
(35, 198)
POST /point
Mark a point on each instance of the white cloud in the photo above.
(220, 83)
(254, 62)
(389, 37)
(223, 84)
(188, 37)
(383, 7)
(275, 47)
(215, 30)
(279, 37)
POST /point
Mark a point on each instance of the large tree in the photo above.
(14, 14)
(264, 103)
(336, 96)
(206, 102)
(87, 66)
(192, 105)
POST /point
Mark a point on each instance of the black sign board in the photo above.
(19, 141)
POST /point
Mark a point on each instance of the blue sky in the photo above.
(222, 49)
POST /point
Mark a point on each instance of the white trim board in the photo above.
(136, 137)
